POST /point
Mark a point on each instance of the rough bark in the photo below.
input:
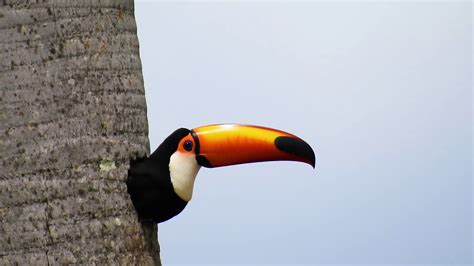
(72, 115)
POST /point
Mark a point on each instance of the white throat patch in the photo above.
(183, 170)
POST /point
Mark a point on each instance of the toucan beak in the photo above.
(230, 144)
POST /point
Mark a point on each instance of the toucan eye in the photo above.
(188, 145)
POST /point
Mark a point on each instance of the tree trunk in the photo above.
(72, 115)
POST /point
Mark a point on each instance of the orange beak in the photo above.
(230, 144)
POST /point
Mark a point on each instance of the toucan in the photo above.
(161, 185)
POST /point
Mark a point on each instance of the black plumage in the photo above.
(149, 182)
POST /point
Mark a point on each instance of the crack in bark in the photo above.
(50, 237)
(47, 257)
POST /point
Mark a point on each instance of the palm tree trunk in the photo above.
(72, 115)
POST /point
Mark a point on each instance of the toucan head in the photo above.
(227, 144)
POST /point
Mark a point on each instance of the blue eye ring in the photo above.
(188, 145)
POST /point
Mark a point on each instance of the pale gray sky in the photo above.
(382, 91)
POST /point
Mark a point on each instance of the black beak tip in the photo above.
(297, 147)
(312, 157)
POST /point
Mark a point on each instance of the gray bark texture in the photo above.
(72, 116)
